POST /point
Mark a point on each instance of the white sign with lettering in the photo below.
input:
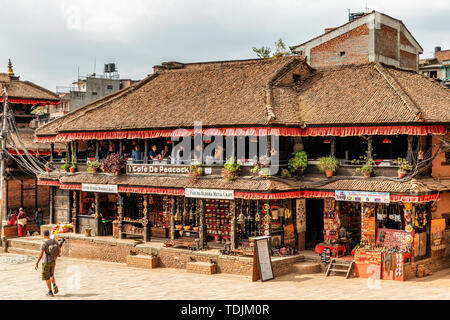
(264, 260)
(105, 188)
(209, 193)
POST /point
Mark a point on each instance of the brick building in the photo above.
(374, 37)
(438, 67)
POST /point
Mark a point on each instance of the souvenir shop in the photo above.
(383, 232)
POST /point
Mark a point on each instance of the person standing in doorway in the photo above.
(39, 217)
(22, 223)
(51, 250)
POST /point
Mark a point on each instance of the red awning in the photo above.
(30, 101)
(248, 194)
(254, 131)
(39, 153)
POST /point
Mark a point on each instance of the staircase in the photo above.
(30, 246)
(340, 266)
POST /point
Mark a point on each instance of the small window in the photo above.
(342, 53)
(109, 87)
(94, 93)
(447, 157)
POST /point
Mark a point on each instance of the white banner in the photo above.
(209, 193)
(105, 188)
(362, 196)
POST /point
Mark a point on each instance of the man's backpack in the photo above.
(53, 249)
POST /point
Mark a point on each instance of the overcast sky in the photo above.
(48, 40)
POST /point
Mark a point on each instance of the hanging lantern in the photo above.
(420, 155)
(326, 140)
(257, 217)
(387, 140)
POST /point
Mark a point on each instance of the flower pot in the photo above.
(72, 170)
(401, 175)
(66, 170)
(300, 171)
(366, 175)
(94, 169)
(87, 232)
(329, 173)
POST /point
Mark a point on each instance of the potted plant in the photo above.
(49, 166)
(298, 163)
(403, 167)
(261, 167)
(73, 167)
(196, 172)
(230, 169)
(328, 165)
(367, 165)
(114, 163)
(65, 167)
(93, 165)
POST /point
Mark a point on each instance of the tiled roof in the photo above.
(26, 89)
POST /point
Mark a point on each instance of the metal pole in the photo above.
(3, 159)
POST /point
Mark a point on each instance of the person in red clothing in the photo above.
(12, 219)
(22, 223)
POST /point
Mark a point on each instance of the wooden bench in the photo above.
(182, 243)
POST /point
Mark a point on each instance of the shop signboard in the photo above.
(103, 188)
(209, 193)
(262, 253)
(158, 169)
(437, 232)
(362, 196)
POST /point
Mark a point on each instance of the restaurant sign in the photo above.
(105, 188)
(209, 193)
(156, 168)
(362, 196)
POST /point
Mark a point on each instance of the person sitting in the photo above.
(218, 154)
(165, 153)
(22, 223)
(91, 211)
(152, 154)
(39, 217)
(137, 154)
(12, 216)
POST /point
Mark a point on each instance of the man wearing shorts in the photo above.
(48, 265)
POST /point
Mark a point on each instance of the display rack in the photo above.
(218, 219)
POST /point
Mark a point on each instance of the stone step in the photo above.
(24, 251)
(306, 267)
(142, 261)
(24, 243)
(201, 267)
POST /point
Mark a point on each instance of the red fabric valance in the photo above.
(414, 199)
(173, 192)
(48, 183)
(30, 101)
(254, 131)
(283, 195)
(42, 153)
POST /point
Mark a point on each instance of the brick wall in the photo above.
(354, 43)
(386, 41)
(404, 40)
(408, 60)
(61, 205)
(28, 202)
(440, 168)
(430, 263)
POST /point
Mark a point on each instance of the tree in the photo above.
(265, 52)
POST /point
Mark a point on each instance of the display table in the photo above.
(319, 248)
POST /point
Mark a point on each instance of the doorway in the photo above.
(314, 222)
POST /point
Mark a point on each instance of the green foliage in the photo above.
(65, 166)
(299, 161)
(230, 169)
(93, 164)
(49, 165)
(367, 164)
(329, 163)
(196, 172)
(403, 165)
(265, 52)
(285, 173)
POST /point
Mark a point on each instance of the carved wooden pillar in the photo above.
(75, 151)
(172, 218)
(97, 216)
(146, 151)
(233, 235)
(120, 147)
(333, 146)
(52, 205)
(52, 149)
(410, 154)
(97, 146)
(69, 211)
(145, 219)
(120, 213)
(369, 148)
(75, 209)
(202, 226)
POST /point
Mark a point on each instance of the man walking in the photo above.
(51, 250)
(39, 217)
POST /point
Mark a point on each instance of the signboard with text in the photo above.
(158, 169)
(262, 252)
(362, 196)
(209, 193)
(104, 188)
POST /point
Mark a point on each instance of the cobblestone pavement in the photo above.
(88, 279)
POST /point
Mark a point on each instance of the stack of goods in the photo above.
(423, 271)
(161, 210)
(218, 218)
(131, 229)
(368, 226)
(62, 228)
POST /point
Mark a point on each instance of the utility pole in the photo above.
(3, 209)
